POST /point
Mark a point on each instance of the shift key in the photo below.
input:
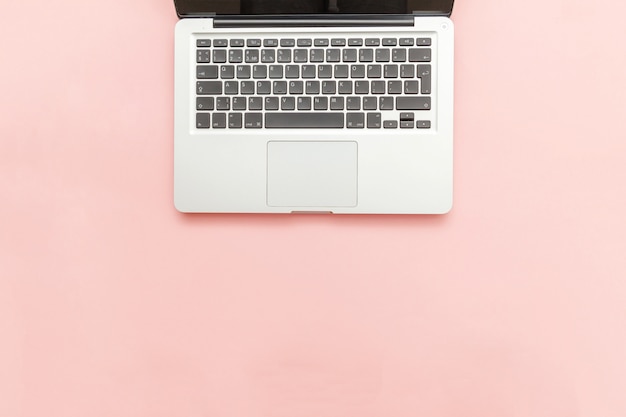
(412, 103)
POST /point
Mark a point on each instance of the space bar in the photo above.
(303, 120)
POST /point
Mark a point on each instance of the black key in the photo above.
(410, 87)
(373, 120)
(296, 87)
(234, 120)
(394, 87)
(227, 71)
(407, 116)
(304, 103)
(333, 55)
(204, 103)
(341, 71)
(208, 87)
(413, 103)
(406, 124)
(268, 56)
(243, 71)
(207, 71)
(423, 72)
(423, 124)
(355, 42)
(259, 71)
(391, 71)
(304, 120)
(263, 87)
(422, 42)
(203, 56)
(270, 42)
(255, 103)
(320, 103)
(369, 103)
(389, 41)
(253, 120)
(378, 87)
(398, 55)
(390, 124)
(336, 103)
(382, 55)
(287, 42)
(312, 87)
(271, 103)
(283, 55)
(203, 120)
(345, 87)
(358, 71)
(253, 43)
(329, 87)
(231, 87)
(362, 87)
(386, 103)
(406, 42)
(222, 103)
(355, 120)
(308, 71)
(236, 43)
(324, 71)
(305, 42)
(238, 103)
(320, 42)
(219, 120)
(316, 55)
(349, 55)
(407, 71)
(338, 42)
(419, 55)
(219, 56)
(235, 56)
(276, 71)
(287, 103)
(292, 71)
(247, 87)
(366, 55)
(203, 43)
(279, 87)
(252, 56)
(220, 43)
(372, 42)
(373, 71)
(353, 103)
(300, 55)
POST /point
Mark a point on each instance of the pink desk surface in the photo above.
(114, 304)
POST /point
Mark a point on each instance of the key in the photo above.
(320, 103)
(287, 42)
(304, 120)
(287, 103)
(231, 87)
(300, 55)
(398, 55)
(382, 55)
(389, 42)
(419, 55)
(263, 87)
(207, 71)
(238, 103)
(413, 103)
(386, 103)
(219, 121)
(336, 103)
(333, 55)
(235, 56)
(369, 103)
(353, 103)
(255, 103)
(390, 124)
(406, 42)
(270, 42)
(423, 41)
(341, 71)
(394, 87)
(247, 87)
(406, 124)
(358, 71)
(276, 71)
(355, 120)
(407, 116)
(362, 87)
(423, 124)
(253, 43)
(292, 71)
(203, 120)
(279, 87)
(373, 71)
(321, 42)
(324, 71)
(349, 55)
(253, 120)
(203, 56)
(308, 71)
(222, 103)
(366, 55)
(410, 87)
(305, 42)
(203, 43)
(407, 71)
(338, 42)
(355, 42)
(329, 87)
(208, 87)
(295, 87)
(345, 87)
(243, 71)
(304, 103)
(378, 87)
(268, 56)
(252, 56)
(283, 55)
(312, 87)
(234, 120)
(373, 120)
(372, 42)
(271, 103)
(236, 43)
(423, 72)
(220, 43)
(259, 71)
(227, 71)
(204, 103)
(316, 55)
(219, 56)
(391, 71)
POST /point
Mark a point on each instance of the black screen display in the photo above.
(283, 7)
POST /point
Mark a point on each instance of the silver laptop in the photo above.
(324, 106)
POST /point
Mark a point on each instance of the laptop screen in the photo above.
(197, 8)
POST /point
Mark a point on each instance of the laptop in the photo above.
(313, 106)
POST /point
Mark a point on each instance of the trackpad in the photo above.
(312, 174)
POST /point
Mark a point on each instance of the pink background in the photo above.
(114, 304)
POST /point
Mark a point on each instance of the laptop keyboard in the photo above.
(353, 83)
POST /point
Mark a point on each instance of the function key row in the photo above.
(305, 42)
(302, 55)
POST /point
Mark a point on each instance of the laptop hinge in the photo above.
(312, 21)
